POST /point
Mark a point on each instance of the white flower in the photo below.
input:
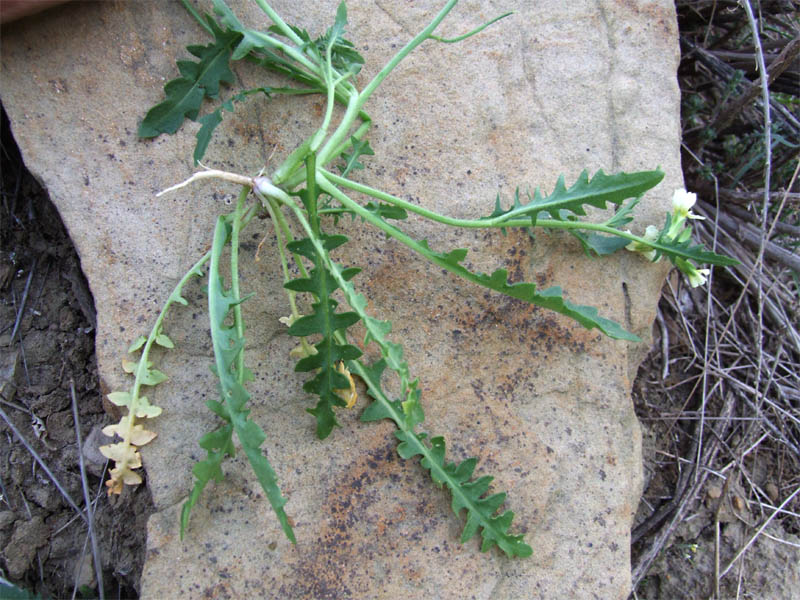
(682, 202)
(651, 235)
(698, 277)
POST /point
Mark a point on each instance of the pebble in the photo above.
(772, 491)
(714, 491)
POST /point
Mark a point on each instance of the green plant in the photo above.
(306, 188)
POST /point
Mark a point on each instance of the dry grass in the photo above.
(721, 388)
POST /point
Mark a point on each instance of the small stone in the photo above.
(84, 572)
(60, 427)
(9, 365)
(738, 503)
(27, 538)
(7, 517)
(714, 491)
(67, 319)
(772, 491)
(95, 461)
(45, 495)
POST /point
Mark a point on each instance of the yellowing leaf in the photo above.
(146, 411)
(110, 431)
(114, 486)
(131, 478)
(121, 453)
(140, 436)
(120, 398)
(117, 428)
(350, 395)
(153, 377)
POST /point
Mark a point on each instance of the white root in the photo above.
(210, 174)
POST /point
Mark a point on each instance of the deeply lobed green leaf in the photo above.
(325, 322)
(359, 148)
(198, 80)
(468, 495)
(597, 192)
(228, 344)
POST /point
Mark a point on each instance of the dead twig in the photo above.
(777, 225)
(680, 506)
(22, 302)
(752, 237)
(42, 464)
(777, 66)
(755, 535)
(98, 565)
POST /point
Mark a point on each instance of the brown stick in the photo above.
(780, 227)
(778, 66)
(751, 236)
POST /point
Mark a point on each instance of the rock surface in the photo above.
(543, 403)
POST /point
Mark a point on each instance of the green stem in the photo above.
(404, 51)
(392, 231)
(357, 101)
(312, 68)
(411, 207)
(299, 174)
(175, 296)
(340, 135)
(280, 23)
(197, 17)
(237, 309)
(471, 33)
(503, 221)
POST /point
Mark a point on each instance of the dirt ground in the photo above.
(721, 520)
(44, 543)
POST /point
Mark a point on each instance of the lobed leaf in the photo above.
(550, 298)
(468, 494)
(198, 80)
(137, 404)
(228, 344)
(597, 192)
(360, 148)
(344, 56)
(210, 121)
(328, 382)
(218, 444)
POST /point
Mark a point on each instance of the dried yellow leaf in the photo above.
(350, 396)
(140, 436)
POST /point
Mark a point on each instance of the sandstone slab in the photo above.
(543, 403)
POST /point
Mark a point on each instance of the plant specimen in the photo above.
(310, 187)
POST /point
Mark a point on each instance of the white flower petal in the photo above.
(683, 200)
(698, 277)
